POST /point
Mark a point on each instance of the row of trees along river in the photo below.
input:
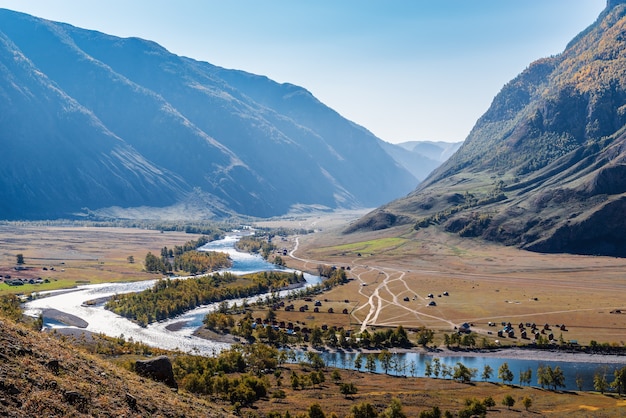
(171, 297)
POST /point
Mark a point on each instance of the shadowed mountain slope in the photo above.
(421, 158)
(544, 168)
(247, 144)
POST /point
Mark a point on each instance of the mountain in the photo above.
(95, 121)
(420, 158)
(545, 167)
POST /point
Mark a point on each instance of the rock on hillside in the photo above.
(90, 120)
(44, 376)
(543, 168)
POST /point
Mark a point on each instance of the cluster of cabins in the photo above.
(526, 330)
(21, 281)
(291, 328)
(304, 308)
(430, 296)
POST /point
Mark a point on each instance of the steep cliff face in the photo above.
(246, 144)
(543, 167)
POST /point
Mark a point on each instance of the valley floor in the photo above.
(396, 274)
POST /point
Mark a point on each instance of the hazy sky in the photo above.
(405, 69)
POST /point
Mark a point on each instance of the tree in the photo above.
(542, 376)
(412, 368)
(489, 402)
(599, 382)
(433, 413)
(315, 411)
(487, 372)
(295, 381)
(579, 382)
(358, 362)
(468, 340)
(527, 402)
(428, 369)
(436, 367)
(473, 407)
(363, 410)
(508, 401)
(505, 373)
(425, 336)
(316, 337)
(154, 264)
(546, 376)
(462, 373)
(399, 337)
(525, 377)
(446, 371)
(557, 377)
(315, 360)
(131, 259)
(347, 389)
(370, 363)
(19, 259)
(366, 339)
(620, 380)
(394, 410)
(385, 358)
(336, 376)
(10, 307)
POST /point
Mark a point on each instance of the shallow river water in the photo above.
(410, 364)
(102, 321)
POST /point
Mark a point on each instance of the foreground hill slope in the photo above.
(43, 376)
(545, 167)
(248, 145)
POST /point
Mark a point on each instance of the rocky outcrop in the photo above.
(159, 369)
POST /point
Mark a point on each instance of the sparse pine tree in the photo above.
(508, 401)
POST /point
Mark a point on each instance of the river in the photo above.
(102, 321)
(409, 364)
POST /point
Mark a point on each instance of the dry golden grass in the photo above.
(79, 254)
(30, 388)
(485, 283)
(420, 394)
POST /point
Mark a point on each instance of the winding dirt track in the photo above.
(511, 285)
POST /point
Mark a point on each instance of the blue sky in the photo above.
(405, 69)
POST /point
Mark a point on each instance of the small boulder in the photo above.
(131, 401)
(159, 369)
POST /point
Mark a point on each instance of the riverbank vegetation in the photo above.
(257, 380)
(256, 245)
(185, 258)
(171, 297)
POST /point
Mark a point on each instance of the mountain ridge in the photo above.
(205, 129)
(542, 169)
